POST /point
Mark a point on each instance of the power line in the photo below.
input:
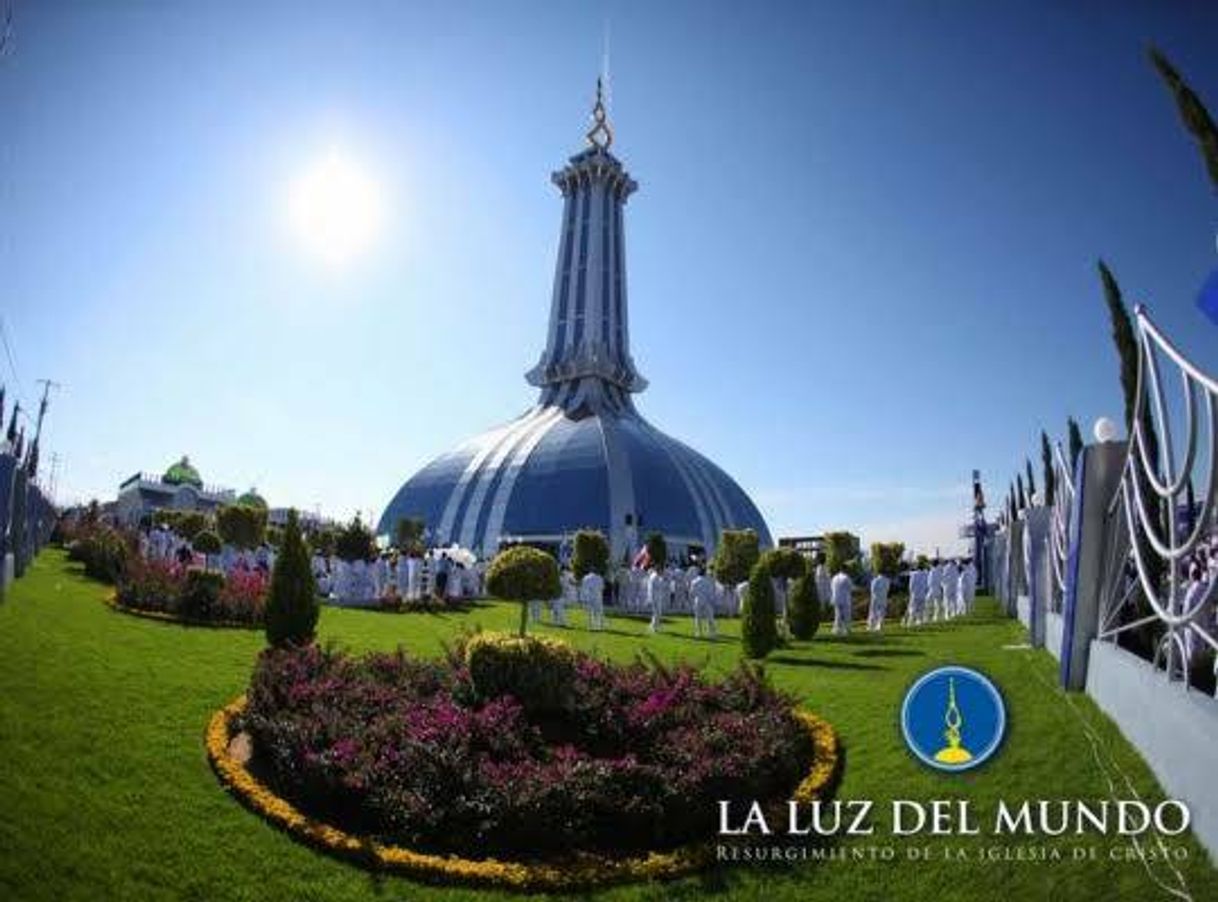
(12, 361)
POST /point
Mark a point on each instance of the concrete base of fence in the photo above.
(1177, 741)
(1053, 633)
(1023, 610)
(8, 572)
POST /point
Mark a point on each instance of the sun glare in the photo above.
(335, 209)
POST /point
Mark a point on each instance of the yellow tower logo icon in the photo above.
(954, 752)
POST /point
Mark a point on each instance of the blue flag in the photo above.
(1208, 299)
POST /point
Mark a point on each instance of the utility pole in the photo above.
(47, 385)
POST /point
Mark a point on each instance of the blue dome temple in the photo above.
(582, 456)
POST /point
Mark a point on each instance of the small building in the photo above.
(179, 488)
(808, 546)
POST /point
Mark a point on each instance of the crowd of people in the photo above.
(938, 591)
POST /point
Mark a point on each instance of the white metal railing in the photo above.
(1059, 528)
(1144, 581)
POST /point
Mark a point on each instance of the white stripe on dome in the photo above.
(469, 522)
(494, 523)
(489, 441)
(621, 483)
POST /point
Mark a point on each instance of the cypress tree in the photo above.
(804, 607)
(291, 607)
(1020, 498)
(1076, 441)
(1192, 111)
(1046, 460)
(1027, 465)
(758, 626)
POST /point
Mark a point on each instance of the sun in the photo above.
(335, 209)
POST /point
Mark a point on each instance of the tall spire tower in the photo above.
(586, 363)
(583, 456)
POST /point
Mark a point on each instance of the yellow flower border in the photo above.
(582, 870)
(111, 601)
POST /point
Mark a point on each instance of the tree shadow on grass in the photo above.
(889, 653)
(823, 663)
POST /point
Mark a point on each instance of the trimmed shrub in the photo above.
(758, 628)
(785, 563)
(657, 550)
(200, 595)
(206, 542)
(243, 597)
(804, 608)
(591, 553)
(841, 552)
(355, 542)
(523, 574)
(886, 558)
(241, 525)
(291, 610)
(537, 672)
(735, 555)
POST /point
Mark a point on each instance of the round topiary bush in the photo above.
(206, 542)
(804, 608)
(758, 626)
(785, 563)
(523, 574)
(537, 672)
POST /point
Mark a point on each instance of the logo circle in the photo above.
(953, 718)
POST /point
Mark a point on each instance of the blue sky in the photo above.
(861, 260)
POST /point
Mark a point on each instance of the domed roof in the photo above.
(182, 473)
(551, 472)
(252, 499)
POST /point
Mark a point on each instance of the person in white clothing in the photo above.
(592, 595)
(879, 602)
(934, 590)
(951, 582)
(704, 592)
(657, 589)
(839, 591)
(915, 612)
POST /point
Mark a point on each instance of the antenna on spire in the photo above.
(600, 135)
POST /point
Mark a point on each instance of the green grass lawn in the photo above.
(105, 791)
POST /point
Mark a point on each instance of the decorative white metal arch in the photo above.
(1146, 507)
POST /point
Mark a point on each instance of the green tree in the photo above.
(591, 553)
(1046, 461)
(408, 534)
(291, 607)
(523, 574)
(785, 563)
(1031, 481)
(1192, 111)
(841, 551)
(886, 557)
(735, 555)
(355, 542)
(657, 550)
(1076, 441)
(241, 525)
(758, 623)
(804, 608)
(1020, 498)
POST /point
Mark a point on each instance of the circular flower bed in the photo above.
(587, 772)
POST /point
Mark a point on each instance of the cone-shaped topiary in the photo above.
(291, 608)
(523, 574)
(758, 628)
(803, 608)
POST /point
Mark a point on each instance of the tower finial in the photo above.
(600, 135)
